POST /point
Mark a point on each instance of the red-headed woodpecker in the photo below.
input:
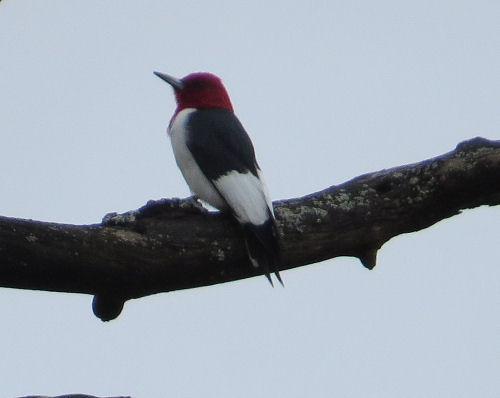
(217, 160)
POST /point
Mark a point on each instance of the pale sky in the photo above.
(328, 91)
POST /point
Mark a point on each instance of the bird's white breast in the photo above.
(197, 181)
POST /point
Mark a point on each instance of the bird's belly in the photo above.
(198, 183)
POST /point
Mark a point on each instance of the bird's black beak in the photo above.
(177, 84)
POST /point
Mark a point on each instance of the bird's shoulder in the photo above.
(219, 143)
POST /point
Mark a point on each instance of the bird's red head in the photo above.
(198, 90)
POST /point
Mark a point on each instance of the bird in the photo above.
(217, 159)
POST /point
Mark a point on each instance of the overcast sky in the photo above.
(327, 90)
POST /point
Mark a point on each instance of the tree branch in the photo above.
(68, 396)
(176, 244)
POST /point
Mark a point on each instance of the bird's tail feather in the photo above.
(263, 248)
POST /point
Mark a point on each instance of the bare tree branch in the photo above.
(175, 244)
(68, 396)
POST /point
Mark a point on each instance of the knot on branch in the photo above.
(107, 307)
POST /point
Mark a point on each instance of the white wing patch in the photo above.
(246, 195)
(265, 191)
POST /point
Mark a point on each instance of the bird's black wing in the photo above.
(221, 143)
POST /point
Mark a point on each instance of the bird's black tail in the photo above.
(263, 247)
